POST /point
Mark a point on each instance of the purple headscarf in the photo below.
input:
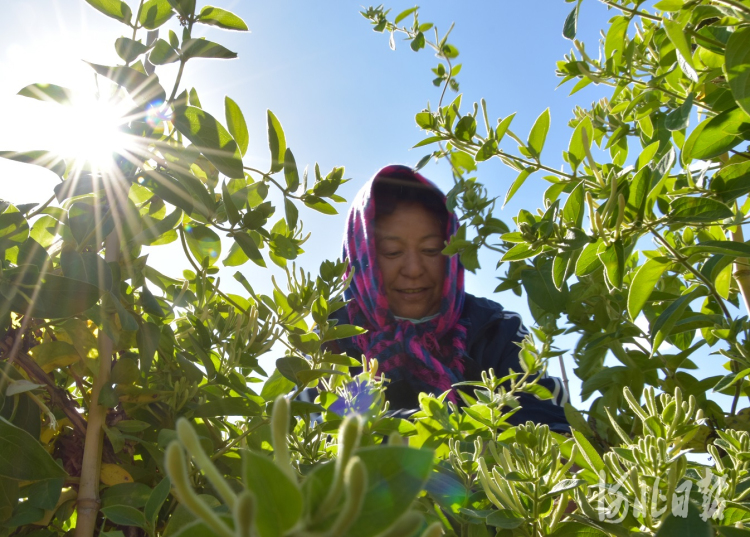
(428, 355)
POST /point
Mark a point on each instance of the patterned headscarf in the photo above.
(428, 355)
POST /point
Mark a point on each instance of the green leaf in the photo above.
(236, 124)
(322, 206)
(520, 251)
(291, 212)
(643, 284)
(147, 340)
(612, 257)
(341, 331)
(235, 257)
(291, 366)
(488, 149)
(142, 88)
(576, 147)
(248, 246)
(276, 385)
(502, 127)
(737, 66)
(232, 213)
(204, 244)
(279, 500)
(574, 208)
(216, 16)
(45, 159)
(592, 457)
(505, 519)
(731, 182)
(395, 475)
(125, 371)
(211, 138)
(23, 458)
(14, 229)
(466, 128)
(401, 16)
(614, 43)
(131, 494)
(678, 118)
(684, 55)
(588, 261)
(227, 406)
(690, 526)
(44, 494)
(291, 173)
(116, 9)
(571, 23)
(696, 210)
(125, 515)
(576, 529)
(48, 92)
(519, 181)
(716, 135)
(156, 500)
(154, 13)
(276, 143)
(663, 324)
(729, 248)
(203, 48)
(57, 296)
(129, 50)
(163, 53)
(540, 287)
(538, 133)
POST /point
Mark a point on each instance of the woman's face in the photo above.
(408, 243)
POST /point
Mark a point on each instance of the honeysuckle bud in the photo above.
(486, 481)
(433, 530)
(178, 474)
(279, 427)
(395, 439)
(244, 514)
(189, 439)
(349, 434)
(355, 485)
(407, 524)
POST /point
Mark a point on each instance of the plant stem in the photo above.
(199, 270)
(88, 494)
(235, 441)
(641, 14)
(735, 5)
(40, 209)
(683, 261)
(741, 272)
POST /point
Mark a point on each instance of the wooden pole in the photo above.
(88, 493)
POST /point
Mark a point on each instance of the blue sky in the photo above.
(343, 97)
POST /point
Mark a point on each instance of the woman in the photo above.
(425, 331)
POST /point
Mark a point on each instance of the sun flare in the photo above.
(89, 132)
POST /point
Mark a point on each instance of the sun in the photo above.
(89, 132)
(93, 132)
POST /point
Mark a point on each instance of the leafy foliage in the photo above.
(113, 373)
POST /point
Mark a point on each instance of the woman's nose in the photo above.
(412, 266)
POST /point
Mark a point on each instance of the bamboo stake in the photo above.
(741, 271)
(88, 493)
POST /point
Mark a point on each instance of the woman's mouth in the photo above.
(414, 292)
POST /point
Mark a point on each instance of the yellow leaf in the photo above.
(723, 281)
(112, 474)
(53, 354)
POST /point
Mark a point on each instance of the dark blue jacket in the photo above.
(492, 341)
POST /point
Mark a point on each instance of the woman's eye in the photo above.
(390, 255)
(433, 251)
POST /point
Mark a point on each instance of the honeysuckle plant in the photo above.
(131, 401)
